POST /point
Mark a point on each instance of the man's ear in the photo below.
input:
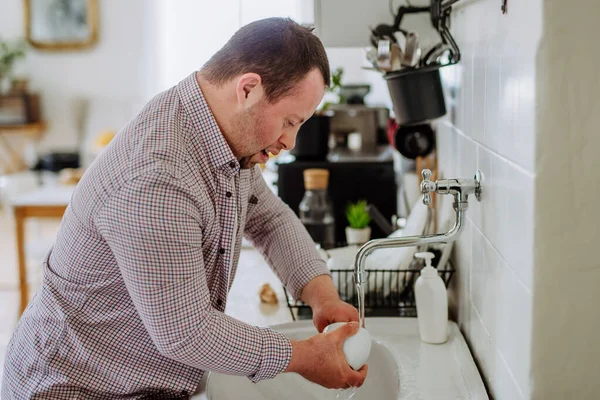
(249, 89)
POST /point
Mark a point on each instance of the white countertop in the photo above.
(424, 371)
(50, 195)
(55, 194)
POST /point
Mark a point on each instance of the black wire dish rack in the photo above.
(388, 293)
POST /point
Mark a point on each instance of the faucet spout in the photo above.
(403, 241)
(459, 188)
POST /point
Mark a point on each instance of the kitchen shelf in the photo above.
(34, 129)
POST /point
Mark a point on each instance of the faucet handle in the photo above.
(426, 174)
(427, 186)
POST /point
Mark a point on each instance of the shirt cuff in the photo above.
(306, 274)
(276, 355)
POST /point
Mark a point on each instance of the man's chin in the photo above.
(248, 162)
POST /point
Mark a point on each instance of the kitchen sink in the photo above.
(382, 380)
(401, 366)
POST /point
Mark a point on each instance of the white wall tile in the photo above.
(484, 165)
(467, 91)
(504, 385)
(518, 108)
(495, 133)
(523, 143)
(492, 97)
(479, 273)
(508, 105)
(466, 157)
(481, 343)
(494, 209)
(492, 286)
(460, 107)
(478, 105)
(519, 223)
(446, 139)
(513, 330)
(485, 288)
(459, 288)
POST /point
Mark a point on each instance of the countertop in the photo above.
(424, 371)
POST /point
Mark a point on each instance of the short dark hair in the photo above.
(280, 50)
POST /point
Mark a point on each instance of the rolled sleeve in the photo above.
(302, 276)
(276, 355)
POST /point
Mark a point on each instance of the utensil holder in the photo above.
(417, 94)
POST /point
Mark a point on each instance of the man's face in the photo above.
(269, 128)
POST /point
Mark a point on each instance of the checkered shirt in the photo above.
(134, 289)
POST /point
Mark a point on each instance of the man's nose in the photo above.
(288, 140)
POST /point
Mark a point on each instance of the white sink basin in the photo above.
(400, 367)
(382, 382)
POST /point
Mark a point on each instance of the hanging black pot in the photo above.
(417, 94)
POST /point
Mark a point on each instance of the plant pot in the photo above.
(357, 236)
(4, 85)
(19, 86)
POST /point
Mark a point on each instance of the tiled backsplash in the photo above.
(492, 129)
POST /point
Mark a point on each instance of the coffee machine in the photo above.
(358, 128)
(357, 155)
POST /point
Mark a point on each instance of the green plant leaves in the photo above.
(357, 215)
(9, 53)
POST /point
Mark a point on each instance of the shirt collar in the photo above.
(206, 139)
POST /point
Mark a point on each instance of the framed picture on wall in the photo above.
(61, 24)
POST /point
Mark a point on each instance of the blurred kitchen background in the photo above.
(508, 87)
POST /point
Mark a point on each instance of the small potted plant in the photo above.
(334, 89)
(358, 231)
(10, 53)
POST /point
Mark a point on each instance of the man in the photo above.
(134, 290)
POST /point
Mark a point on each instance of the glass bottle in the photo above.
(316, 212)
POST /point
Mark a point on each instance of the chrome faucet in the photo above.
(459, 188)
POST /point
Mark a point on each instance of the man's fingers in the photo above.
(349, 329)
(363, 371)
(357, 378)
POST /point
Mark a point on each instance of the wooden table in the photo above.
(45, 202)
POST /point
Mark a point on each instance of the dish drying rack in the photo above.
(388, 293)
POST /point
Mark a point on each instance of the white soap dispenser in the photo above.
(432, 303)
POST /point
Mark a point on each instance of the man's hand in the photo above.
(321, 359)
(322, 296)
(333, 311)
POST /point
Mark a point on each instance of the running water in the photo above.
(361, 305)
(345, 394)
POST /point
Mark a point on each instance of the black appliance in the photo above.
(348, 182)
(312, 138)
(57, 161)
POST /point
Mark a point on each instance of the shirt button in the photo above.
(222, 250)
(228, 194)
(219, 302)
(232, 164)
